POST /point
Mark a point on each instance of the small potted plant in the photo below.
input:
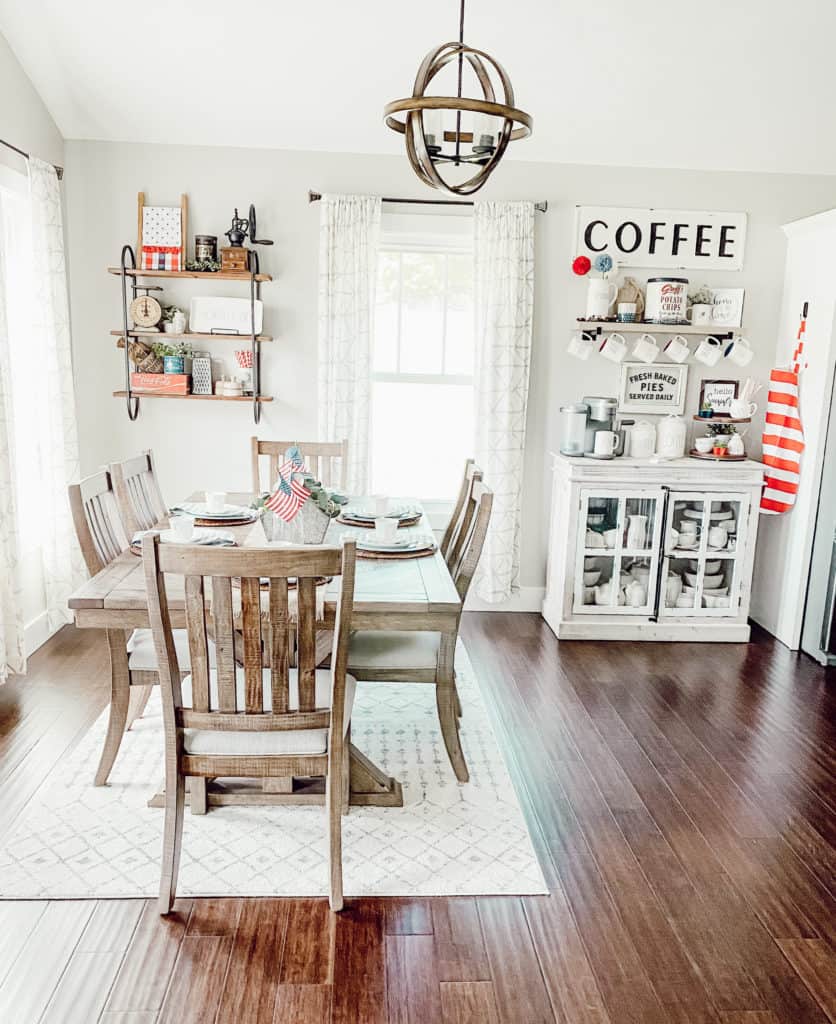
(720, 434)
(706, 410)
(173, 320)
(702, 305)
(177, 357)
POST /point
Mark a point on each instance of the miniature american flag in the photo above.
(290, 493)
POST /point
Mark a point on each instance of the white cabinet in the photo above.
(644, 550)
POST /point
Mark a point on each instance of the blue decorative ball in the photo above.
(603, 263)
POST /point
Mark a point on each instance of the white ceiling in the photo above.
(734, 84)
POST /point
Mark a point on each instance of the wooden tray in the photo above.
(366, 524)
(717, 458)
(396, 556)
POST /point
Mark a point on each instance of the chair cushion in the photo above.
(259, 744)
(383, 648)
(143, 658)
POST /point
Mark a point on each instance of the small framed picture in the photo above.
(719, 394)
(728, 307)
(652, 388)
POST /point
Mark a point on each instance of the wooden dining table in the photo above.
(403, 594)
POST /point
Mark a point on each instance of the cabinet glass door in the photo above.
(704, 548)
(618, 552)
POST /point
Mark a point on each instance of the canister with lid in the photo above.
(666, 300)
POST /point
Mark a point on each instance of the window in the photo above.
(422, 374)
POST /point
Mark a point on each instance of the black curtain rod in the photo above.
(58, 170)
(314, 197)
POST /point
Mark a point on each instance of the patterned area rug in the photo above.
(77, 840)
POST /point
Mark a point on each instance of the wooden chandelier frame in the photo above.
(412, 127)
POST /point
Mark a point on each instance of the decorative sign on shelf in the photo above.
(652, 389)
(684, 239)
(727, 306)
(719, 394)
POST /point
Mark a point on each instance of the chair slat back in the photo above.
(480, 504)
(464, 490)
(138, 494)
(325, 460)
(463, 525)
(96, 520)
(249, 591)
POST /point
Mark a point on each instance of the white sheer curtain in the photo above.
(348, 241)
(504, 304)
(12, 652)
(56, 443)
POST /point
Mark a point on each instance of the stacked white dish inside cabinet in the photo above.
(643, 550)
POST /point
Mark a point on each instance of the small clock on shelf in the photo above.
(146, 313)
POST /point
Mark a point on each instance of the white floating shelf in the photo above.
(612, 326)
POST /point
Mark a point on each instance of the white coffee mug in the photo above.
(182, 527)
(740, 409)
(580, 345)
(386, 530)
(739, 352)
(677, 349)
(380, 503)
(709, 351)
(215, 501)
(646, 350)
(606, 442)
(614, 348)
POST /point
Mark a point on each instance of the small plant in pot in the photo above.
(173, 320)
(702, 305)
(176, 357)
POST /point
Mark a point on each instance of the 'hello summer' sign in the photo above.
(681, 239)
(652, 389)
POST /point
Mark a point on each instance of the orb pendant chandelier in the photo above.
(458, 130)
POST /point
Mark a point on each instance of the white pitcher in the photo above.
(600, 297)
(636, 533)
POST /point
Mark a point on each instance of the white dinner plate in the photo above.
(199, 510)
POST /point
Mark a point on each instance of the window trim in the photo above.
(437, 511)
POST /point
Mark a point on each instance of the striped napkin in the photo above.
(783, 443)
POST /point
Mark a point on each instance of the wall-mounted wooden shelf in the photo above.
(613, 326)
(197, 398)
(189, 336)
(198, 275)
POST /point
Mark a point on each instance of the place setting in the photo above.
(215, 510)
(365, 514)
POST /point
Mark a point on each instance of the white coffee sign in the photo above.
(682, 239)
(655, 389)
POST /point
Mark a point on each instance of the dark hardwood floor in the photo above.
(681, 798)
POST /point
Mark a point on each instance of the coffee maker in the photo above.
(601, 416)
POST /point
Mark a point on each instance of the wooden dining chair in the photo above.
(247, 720)
(458, 526)
(138, 494)
(133, 661)
(418, 656)
(327, 461)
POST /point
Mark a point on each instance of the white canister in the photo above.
(666, 300)
(642, 440)
(670, 437)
